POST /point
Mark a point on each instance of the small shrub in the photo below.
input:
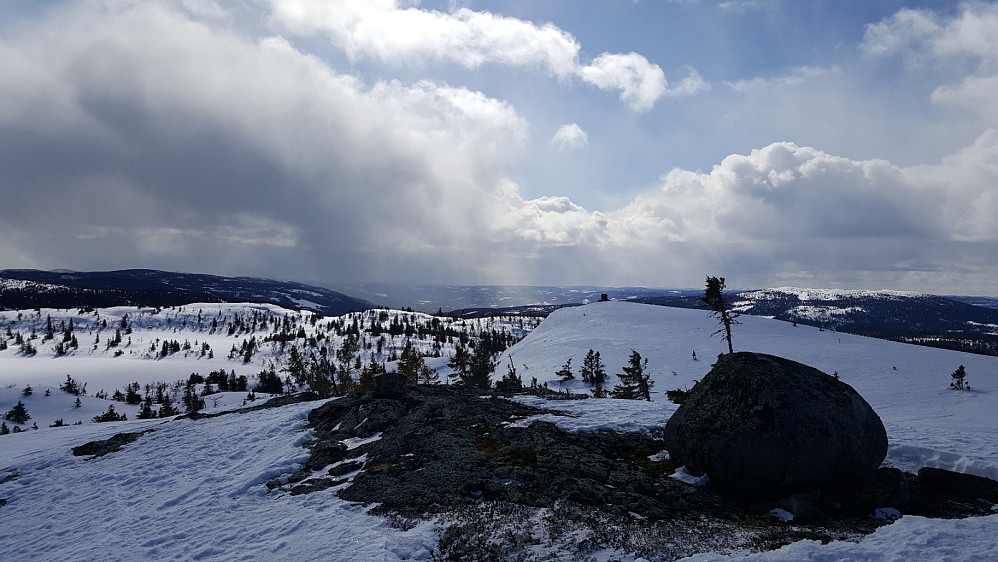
(677, 396)
(17, 414)
(110, 415)
(959, 382)
(72, 387)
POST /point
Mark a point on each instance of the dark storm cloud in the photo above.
(143, 135)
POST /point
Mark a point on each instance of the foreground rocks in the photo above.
(441, 448)
(500, 490)
(761, 426)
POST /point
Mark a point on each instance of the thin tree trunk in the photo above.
(727, 330)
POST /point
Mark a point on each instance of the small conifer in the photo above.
(17, 414)
(959, 382)
(565, 373)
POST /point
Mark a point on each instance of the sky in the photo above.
(838, 144)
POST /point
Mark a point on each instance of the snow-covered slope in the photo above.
(188, 490)
(207, 337)
(907, 385)
(197, 489)
(946, 322)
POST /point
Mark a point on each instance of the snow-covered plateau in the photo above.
(196, 489)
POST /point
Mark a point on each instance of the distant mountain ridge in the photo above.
(461, 299)
(961, 323)
(29, 288)
(895, 315)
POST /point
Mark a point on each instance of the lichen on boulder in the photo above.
(762, 426)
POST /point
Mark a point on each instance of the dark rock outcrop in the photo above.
(389, 385)
(444, 447)
(942, 493)
(115, 443)
(763, 426)
(885, 487)
(448, 453)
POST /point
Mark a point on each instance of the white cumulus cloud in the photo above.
(569, 137)
(391, 34)
(640, 82)
(782, 211)
(971, 36)
(385, 31)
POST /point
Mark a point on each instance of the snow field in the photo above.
(188, 490)
(927, 423)
(221, 326)
(197, 489)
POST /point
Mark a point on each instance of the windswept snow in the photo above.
(907, 385)
(601, 415)
(197, 489)
(927, 423)
(189, 490)
(910, 538)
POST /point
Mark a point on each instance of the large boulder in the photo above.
(762, 426)
(389, 385)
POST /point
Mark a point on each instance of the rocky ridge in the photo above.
(506, 491)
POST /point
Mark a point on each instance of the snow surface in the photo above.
(137, 358)
(927, 423)
(196, 489)
(189, 490)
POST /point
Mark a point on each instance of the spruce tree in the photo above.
(345, 382)
(166, 408)
(480, 369)
(367, 374)
(511, 380)
(145, 411)
(958, 377)
(565, 373)
(428, 375)
(110, 415)
(598, 391)
(345, 355)
(634, 383)
(70, 386)
(194, 403)
(269, 383)
(230, 380)
(412, 365)
(713, 298)
(17, 414)
(593, 370)
(296, 367)
(132, 395)
(460, 362)
(321, 377)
